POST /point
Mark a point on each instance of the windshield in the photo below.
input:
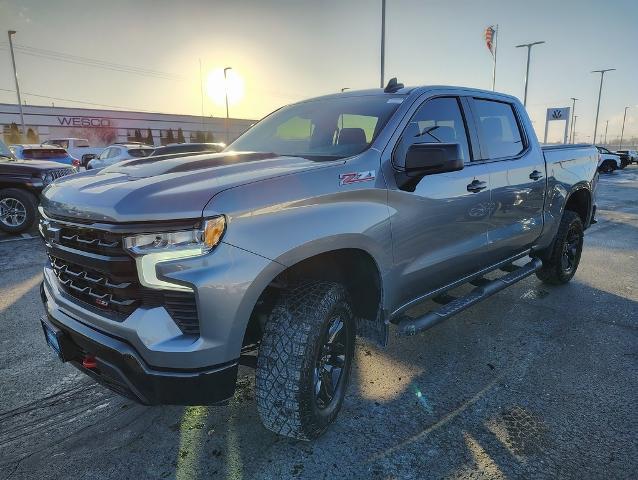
(320, 129)
(42, 153)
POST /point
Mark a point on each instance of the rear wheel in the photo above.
(563, 261)
(305, 358)
(17, 210)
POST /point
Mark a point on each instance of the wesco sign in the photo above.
(94, 122)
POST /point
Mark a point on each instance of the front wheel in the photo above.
(561, 264)
(305, 358)
(17, 210)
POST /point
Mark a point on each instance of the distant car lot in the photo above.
(537, 382)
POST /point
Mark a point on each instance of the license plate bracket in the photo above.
(55, 338)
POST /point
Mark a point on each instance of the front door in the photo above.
(439, 230)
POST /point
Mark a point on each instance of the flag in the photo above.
(490, 38)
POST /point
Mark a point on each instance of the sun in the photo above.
(217, 85)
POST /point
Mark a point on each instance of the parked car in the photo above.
(118, 152)
(21, 182)
(607, 161)
(77, 147)
(329, 218)
(51, 153)
(627, 157)
(177, 148)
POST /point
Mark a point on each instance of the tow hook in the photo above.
(88, 361)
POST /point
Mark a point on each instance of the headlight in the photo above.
(149, 249)
(46, 178)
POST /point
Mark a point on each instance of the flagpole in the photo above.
(494, 65)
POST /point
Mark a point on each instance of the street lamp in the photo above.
(622, 132)
(574, 132)
(571, 135)
(600, 91)
(15, 74)
(226, 94)
(529, 51)
(606, 127)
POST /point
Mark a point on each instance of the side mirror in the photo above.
(424, 159)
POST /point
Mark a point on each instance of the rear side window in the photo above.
(499, 131)
(140, 152)
(436, 121)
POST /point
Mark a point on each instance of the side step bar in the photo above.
(411, 326)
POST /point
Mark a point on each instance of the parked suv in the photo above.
(117, 153)
(51, 153)
(607, 161)
(328, 219)
(627, 157)
(21, 182)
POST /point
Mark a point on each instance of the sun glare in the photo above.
(217, 85)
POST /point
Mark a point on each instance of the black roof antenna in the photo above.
(393, 86)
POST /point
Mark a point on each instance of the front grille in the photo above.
(92, 267)
(60, 172)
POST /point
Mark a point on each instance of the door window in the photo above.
(114, 152)
(436, 121)
(500, 133)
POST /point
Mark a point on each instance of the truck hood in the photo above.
(8, 166)
(161, 188)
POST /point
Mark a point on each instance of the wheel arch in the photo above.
(354, 267)
(580, 201)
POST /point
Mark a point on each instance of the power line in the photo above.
(93, 62)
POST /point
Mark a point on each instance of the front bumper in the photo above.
(119, 367)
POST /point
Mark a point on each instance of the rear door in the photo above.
(517, 178)
(439, 230)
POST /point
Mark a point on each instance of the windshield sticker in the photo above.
(395, 100)
(356, 177)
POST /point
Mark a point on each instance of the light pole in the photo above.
(571, 135)
(227, 115)
(606, 127)
(600, 91)
(15, 74)
(574, 137)
(529, 51)
(382, 43)
(622, 132)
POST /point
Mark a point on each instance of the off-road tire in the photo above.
(552, 272)
(289, 350)
(30, 203)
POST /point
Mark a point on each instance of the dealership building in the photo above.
(103, 127)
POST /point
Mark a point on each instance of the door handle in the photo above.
(535, 175)
(476, 186)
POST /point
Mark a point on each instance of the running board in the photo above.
(411, 326)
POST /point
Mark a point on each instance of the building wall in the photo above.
(103, 127)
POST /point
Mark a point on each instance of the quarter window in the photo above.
(436, 121)
(500, 133)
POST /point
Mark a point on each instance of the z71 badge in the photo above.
(356, 177)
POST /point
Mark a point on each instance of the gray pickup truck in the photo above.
(328, 219)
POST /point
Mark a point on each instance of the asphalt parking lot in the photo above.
(536, 382)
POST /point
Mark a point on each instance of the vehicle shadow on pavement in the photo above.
(516, 386)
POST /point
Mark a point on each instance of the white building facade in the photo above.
(103, 127)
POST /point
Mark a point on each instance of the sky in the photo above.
(288, 50)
